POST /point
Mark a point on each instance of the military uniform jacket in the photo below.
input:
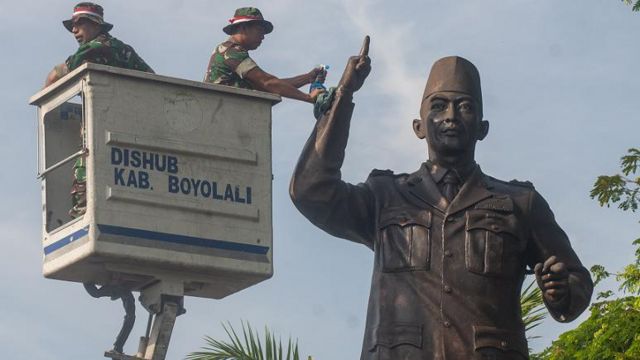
(447, 277)
(107, 50)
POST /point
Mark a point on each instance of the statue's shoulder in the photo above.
(385, 178)
(386, 174)
(514, 184)
(378, 172)
(526, 183)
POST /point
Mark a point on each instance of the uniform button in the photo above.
(504, 344)
(447, 289)
(447, 324)
(448, 253)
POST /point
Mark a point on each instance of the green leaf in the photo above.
(636, 6)
(532, 308)
(620, 188)
(599, 273)
(604, 294)
(630, 161)
(249, 347)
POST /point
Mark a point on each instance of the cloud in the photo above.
(393, 88)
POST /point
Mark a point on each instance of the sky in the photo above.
(560, 87)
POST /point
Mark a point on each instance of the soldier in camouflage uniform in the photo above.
(231, 65)
(79, 188)
(96, 46)
(107, 50)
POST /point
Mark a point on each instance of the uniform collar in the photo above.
(420, 187)
(437, 172)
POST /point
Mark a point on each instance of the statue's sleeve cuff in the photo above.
(344, 93)
(576, 301)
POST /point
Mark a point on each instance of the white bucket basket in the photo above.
(178, 181)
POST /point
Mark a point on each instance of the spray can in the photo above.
(318, 82)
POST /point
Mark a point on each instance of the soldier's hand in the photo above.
(56, 73)
(314, 94)
(357, 69)
(553, 279)
(313, 74)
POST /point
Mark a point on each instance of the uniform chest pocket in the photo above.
(491, 240)
(404, 240)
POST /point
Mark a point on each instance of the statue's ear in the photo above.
(419, 128)
(484, 129)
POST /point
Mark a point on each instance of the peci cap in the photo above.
(454, 73)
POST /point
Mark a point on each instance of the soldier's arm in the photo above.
(303, 79)
(136, 62)
(141, 65)
(565, 282)
(94, 51)
(56, 73)
(316, 188)
(264, 81)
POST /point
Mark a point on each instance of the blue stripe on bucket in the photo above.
(66, 240)
(183, 239)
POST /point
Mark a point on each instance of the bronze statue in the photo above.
(451, 244)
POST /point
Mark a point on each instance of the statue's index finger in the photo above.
(365, 46)
(547, 264)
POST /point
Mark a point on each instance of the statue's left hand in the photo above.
(553, 280)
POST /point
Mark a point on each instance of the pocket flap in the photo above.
(491, 221)
(394, 335)
(404, 217)
(506, 340)
(498, 203)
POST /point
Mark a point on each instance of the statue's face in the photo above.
(451, 122)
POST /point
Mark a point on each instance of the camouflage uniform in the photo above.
(229, 64)
(79, 188)
(107, 50)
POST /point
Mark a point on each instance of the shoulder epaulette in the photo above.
(376, 172)
(522, 183)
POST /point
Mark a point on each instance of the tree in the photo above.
(636, 5)
(620, 188)
(249, 348)
(612, 331)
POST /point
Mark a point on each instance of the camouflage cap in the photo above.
(247, 14)
(454, 73)
(88, 10)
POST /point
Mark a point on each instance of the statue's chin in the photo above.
(450, 149)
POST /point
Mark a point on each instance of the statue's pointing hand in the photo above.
(553, 280)
(357, 69)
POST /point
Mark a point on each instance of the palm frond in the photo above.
(532, 308)
(249, 347)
